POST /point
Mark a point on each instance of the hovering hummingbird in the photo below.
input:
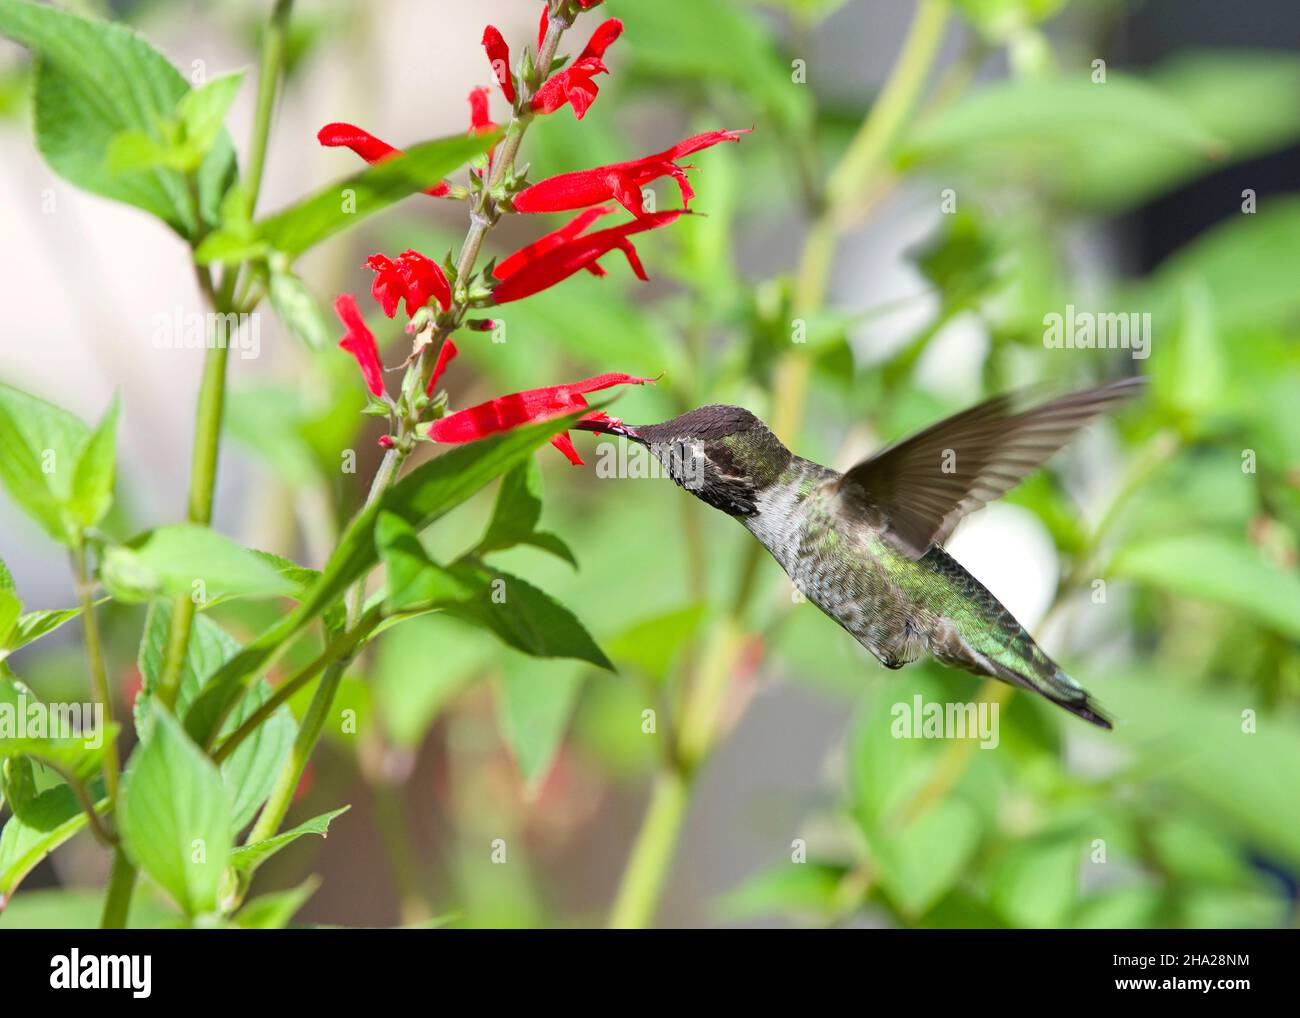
(866, 546)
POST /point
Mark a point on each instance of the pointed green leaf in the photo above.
(414, 580)
(250, 772)
(96, 79)
(534, 704)
(247, 858)
(274, 911)
(40, 445)
(189, 560)
(174, 816)
(48, 820)
(516, 513)
(92, 481)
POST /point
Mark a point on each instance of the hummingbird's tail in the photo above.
(1043, 676)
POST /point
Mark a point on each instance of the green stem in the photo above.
(638, 895)
(267, 86)
(341, 649)
(286, 784)
(98, 673)
(207, 434)
(117, 901)
(866, 152)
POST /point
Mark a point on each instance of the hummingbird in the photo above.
(866, 546)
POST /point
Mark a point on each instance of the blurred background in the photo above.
(1114, 156)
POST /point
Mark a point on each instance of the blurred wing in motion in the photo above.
(924, 485)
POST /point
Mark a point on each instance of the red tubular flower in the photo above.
(360, 343)
(602, 39)
(369, 148)
(572, 87)
(498, 54)
(507, 412)
(621, 182)
(445, 357)
(559, 255)
(544, 27)
(411, 276)
(569, 231)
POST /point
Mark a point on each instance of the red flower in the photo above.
(498, 54)
(411, 276)
(507, 412)
(445, 356)
(601, 39)
(360, 343)
(544, 27)
(369, 148)
(620, 181)
(572, 86)
(560, 254)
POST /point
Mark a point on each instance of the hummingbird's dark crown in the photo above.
(723, 455)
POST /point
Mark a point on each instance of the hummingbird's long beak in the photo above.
(610, 426)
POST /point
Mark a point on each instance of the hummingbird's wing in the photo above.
(923, 485)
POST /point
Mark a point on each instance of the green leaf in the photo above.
(189, 560)
(422, 496)
(1036, 883)
(94, 80)
(414, 580)
(923, 861)
(344, 204)
(514, 518)
(534, 703)
(35, 624)
(651, 645)
(40, 446)
(274, 911)
(247, 858)
(92, 481)
(10, 609)
(1220, 569)
(1062, 130)
(298, 309)
(523, 616)
(805, 889)
(174, 816)
(249, 773)
(202, 111)
(48, 820)
(682, 39)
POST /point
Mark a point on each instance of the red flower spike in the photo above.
(529, 273)
(360, 343)
(498, 54)
(572, 87)
(369, 148)
(621, 182)
(411, 277)
(602, 39)
(507, 412)
(445, 357)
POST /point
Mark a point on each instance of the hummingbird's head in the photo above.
(723, 455)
